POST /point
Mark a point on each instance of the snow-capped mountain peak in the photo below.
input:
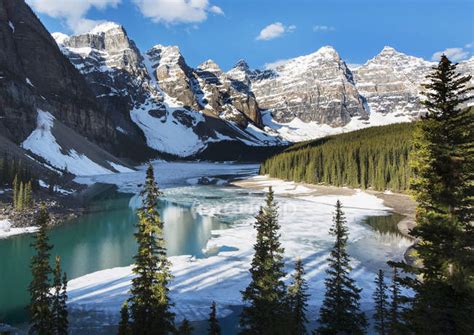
(105, 27)
(210, 66)
(60, 38)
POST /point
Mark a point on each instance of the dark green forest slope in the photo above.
(375, 158)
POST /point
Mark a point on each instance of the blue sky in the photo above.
(265, 31)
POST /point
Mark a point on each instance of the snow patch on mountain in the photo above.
(104, 28)
(164, 133)
(298, 131)
(42, 143)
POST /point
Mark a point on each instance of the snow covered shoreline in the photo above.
(305, 219)
(7, 231)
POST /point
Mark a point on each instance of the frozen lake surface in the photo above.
(222, 272)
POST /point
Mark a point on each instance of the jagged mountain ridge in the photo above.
(180, 110)
(306, 97)
(318, 87)
(138, 105)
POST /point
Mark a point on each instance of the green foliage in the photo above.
(185, 328)
(60, 323)
(22, 194)
(265, 297)
(124, 324)
(340, 312)
(40, 300)
(149, 301)
(10, 167)
(214, 327)
(374, 158)
(381, 304)
(396, 313)
(443, 186)
(298, 301)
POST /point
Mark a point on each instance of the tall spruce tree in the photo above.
(340, 312)
(298, 301)
(214, 327)
(149, 301)
(60, 323)
(20, 197)
(16, 190)
(185, 328)
(40, 299)
(396, 322)
(381, 304)
(28, 195)
(124, 324)
(265, 296)
(443, 186)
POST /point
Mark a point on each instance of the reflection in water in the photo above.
(373, 251)
(99, 240)
(385, 225)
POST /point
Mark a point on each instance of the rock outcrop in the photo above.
(391, 83)
(35, 74)
(207, 89)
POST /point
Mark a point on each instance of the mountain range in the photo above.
(94, 102)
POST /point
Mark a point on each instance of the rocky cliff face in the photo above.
(115, 71)
(318, 87)
(391, 83)
(34, 74)
(207, 89)
(36, 79)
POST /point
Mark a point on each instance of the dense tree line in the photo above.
(374, 158)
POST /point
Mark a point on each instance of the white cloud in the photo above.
(275, 64)
(177, 11)
(322, 28)
(73, 12)
(216, 10)
(274, 30)
(468, 46)
(454, 54)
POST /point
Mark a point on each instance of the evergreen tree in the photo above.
(443, 186)
(59, 311)
(340, 312)
(396, 324)
(298, 300)
(124, 324)
(28, 195)
(214, 327)
(265, 296)
(185, 328)
(149, 301)
(381, 304)
(16, 190)
(21, 197)
(40, 300)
